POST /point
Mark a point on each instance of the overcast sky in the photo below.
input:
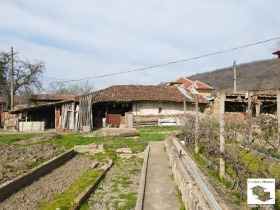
(88, 38)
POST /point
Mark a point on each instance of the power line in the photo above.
(169, 63)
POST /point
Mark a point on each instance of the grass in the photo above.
(65, 200)
(12, 138)
(179, 196)
(159, 129)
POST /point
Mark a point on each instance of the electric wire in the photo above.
(169, 63)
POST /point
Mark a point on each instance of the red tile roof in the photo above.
(184, 80)
(133, 93)
(200, 85)
(190, 84)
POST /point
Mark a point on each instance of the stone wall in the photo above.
(9, 120)
(192, 194)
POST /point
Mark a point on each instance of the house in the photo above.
(146, 103)
(202, 88)
(116, 106)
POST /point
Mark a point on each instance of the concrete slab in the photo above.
(160, 192)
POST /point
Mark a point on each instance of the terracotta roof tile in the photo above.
(132, 93)
(184, 80)
(200, 85)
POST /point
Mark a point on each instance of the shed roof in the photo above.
(259, 92)
(51, 97)
(37, 107)
(133, 93)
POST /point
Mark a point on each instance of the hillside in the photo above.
(264, 74)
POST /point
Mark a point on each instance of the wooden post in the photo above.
(234, 76)
(249, 116)
(72, 125)
(222, 131)
(196, 125)
(12, 79)
(278, 115)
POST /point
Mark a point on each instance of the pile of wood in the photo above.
(150, 120)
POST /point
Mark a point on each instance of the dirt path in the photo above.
(43, 189)
(160, 192)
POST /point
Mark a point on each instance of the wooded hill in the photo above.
(257, 75)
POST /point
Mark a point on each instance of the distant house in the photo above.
(202, 88)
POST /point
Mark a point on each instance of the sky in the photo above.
(90, 38)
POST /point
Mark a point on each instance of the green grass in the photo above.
(179, 196)
(12, 138)
(7, 166)
(65, 200)
(160, 129)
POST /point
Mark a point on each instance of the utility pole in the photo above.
(278, 115)
(12, 79)
(222, 133)
(234, 76)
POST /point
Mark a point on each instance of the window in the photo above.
(159, 110)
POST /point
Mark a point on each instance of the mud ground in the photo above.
(44, 188)
(17, 160)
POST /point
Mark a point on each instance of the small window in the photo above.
(159, 110)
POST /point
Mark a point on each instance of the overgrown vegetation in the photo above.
(248, 153)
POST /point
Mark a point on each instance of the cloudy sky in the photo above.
(89, 38)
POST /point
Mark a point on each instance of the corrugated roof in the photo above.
(132, 93)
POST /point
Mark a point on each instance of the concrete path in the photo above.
(160, 192)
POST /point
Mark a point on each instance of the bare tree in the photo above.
(26, 74)
(75, 89)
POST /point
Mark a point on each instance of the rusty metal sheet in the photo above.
(114, 119)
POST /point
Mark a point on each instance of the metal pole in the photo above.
(222, 130)
(234, 76)
(12, 79)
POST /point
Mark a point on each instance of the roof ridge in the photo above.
(203, 84)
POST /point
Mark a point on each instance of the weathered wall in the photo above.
(9, 120)
(167, 108)
(192, 194)
(205, 92)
